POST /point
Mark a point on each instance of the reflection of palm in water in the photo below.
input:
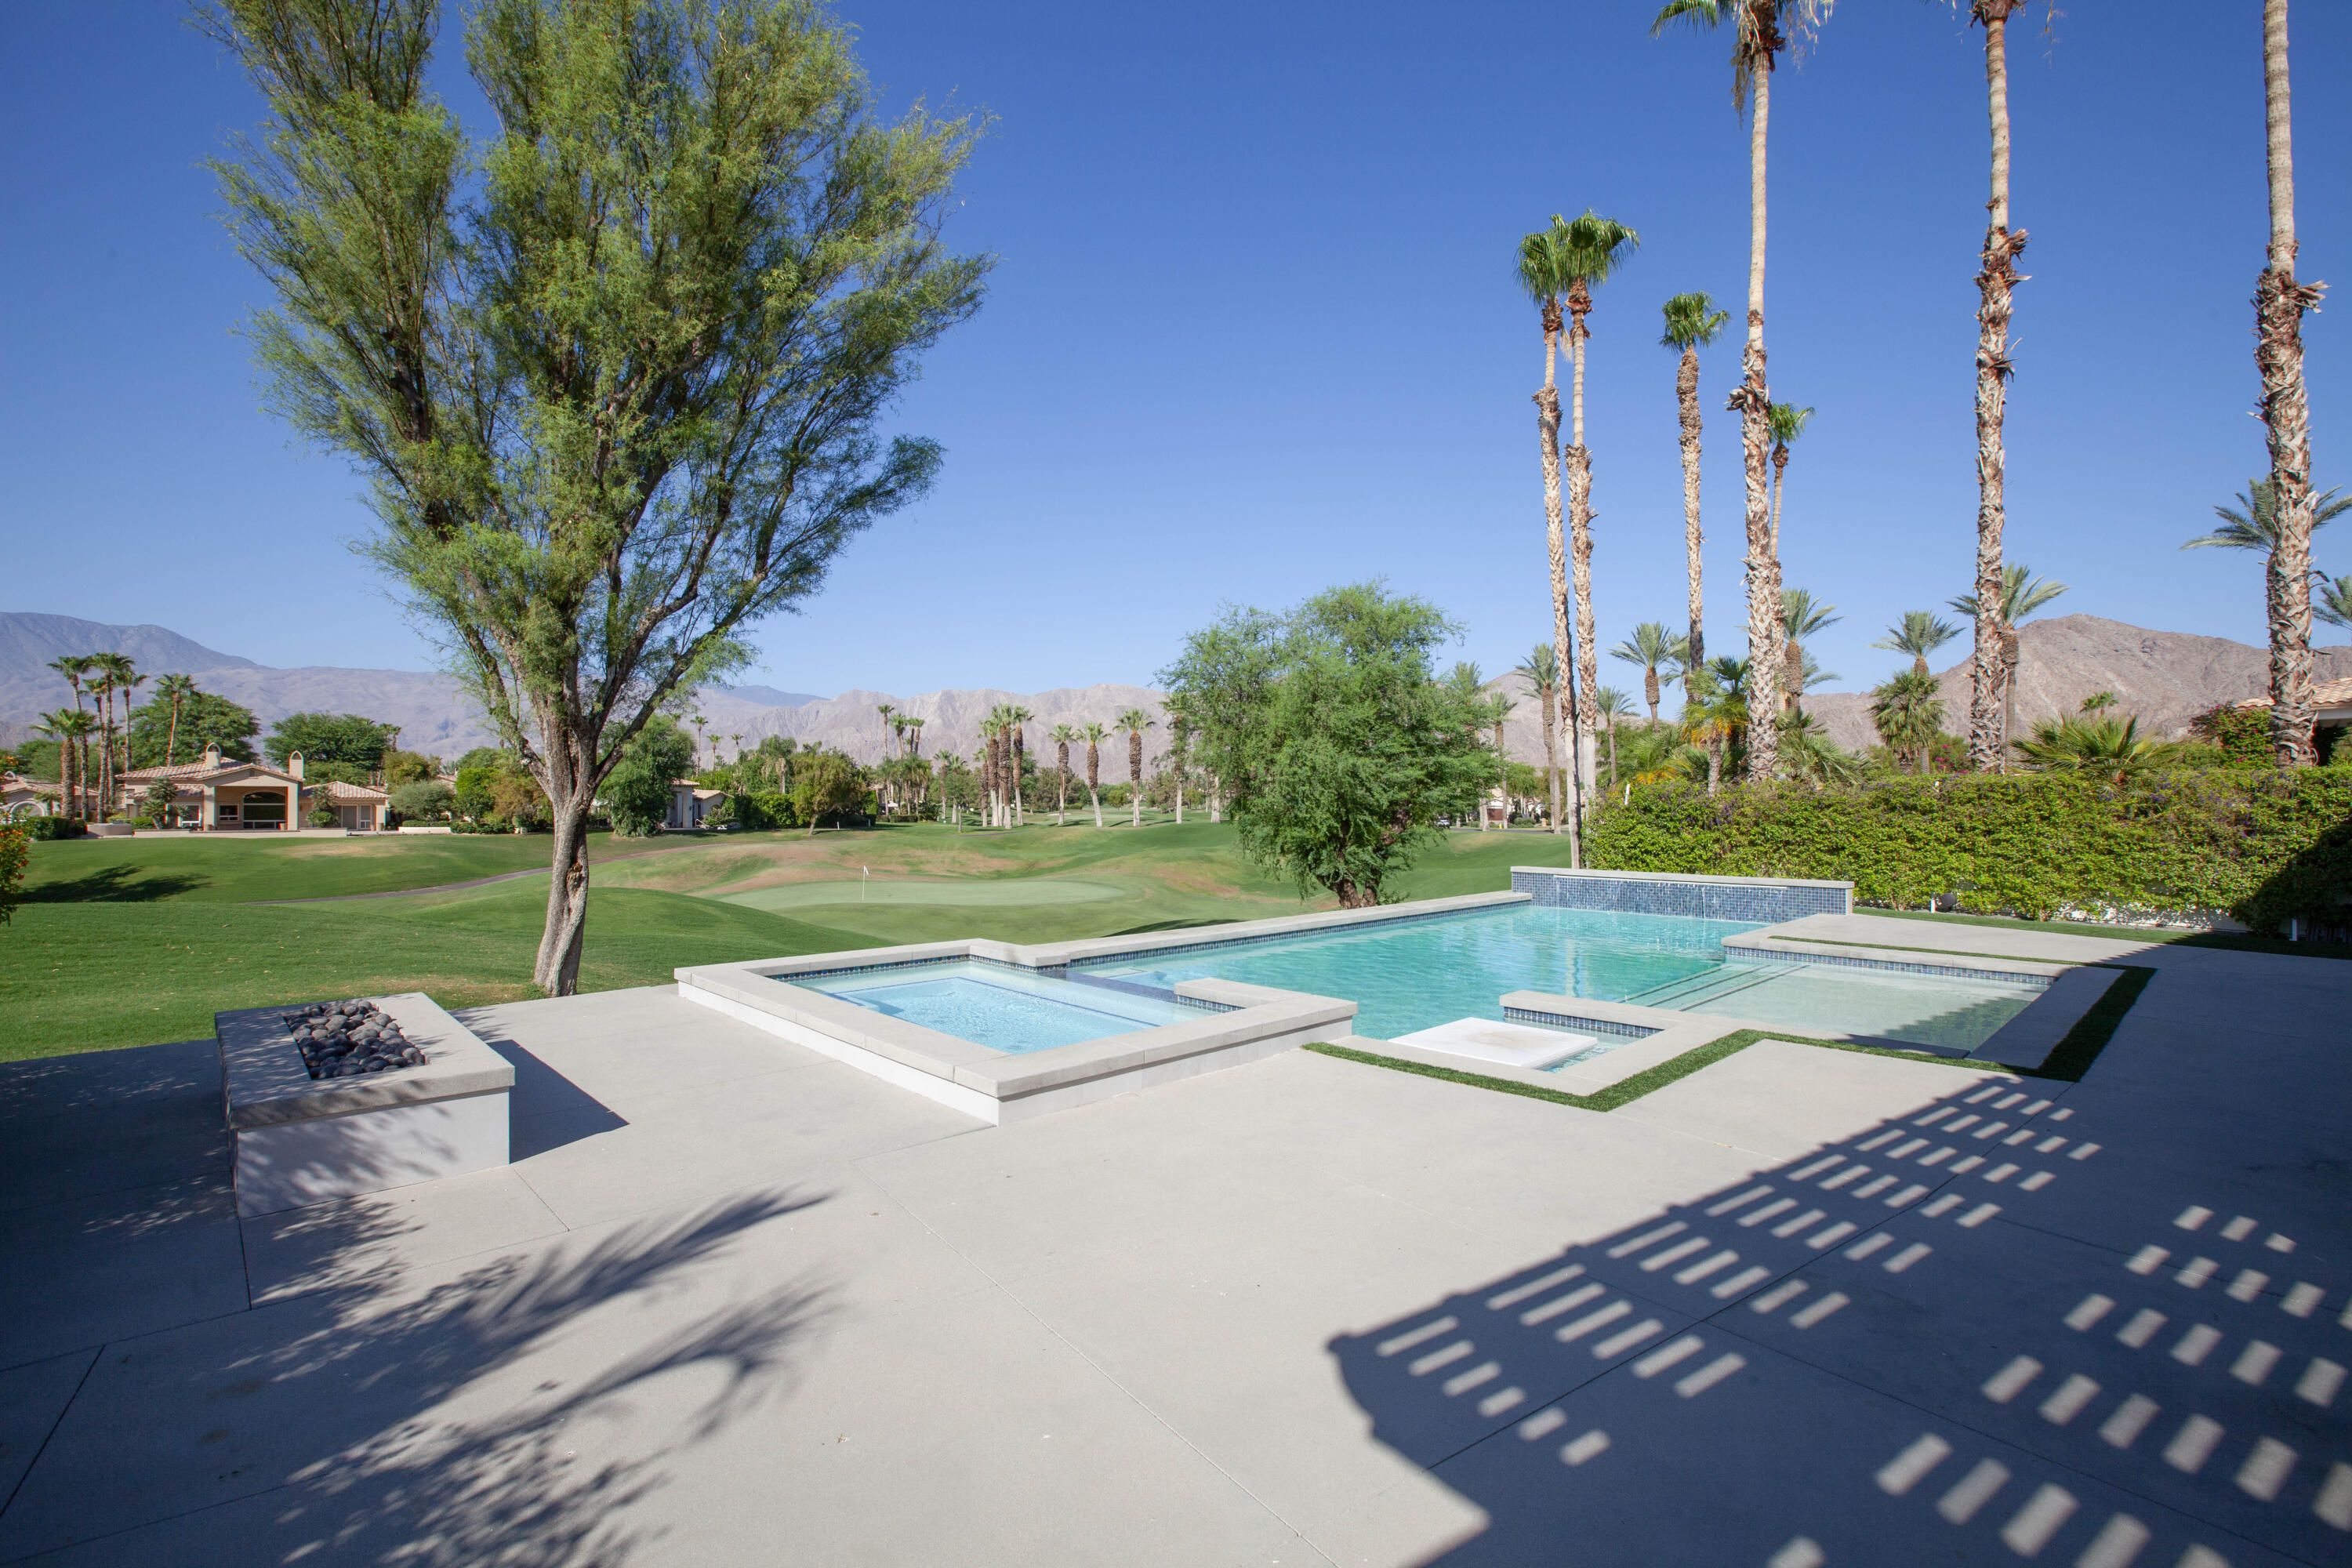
(1892, 1350)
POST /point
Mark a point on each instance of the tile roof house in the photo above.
(2331, 701)
(218, 796)
(21, 796)
(689, 802)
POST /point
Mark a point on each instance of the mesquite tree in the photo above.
(616, 372)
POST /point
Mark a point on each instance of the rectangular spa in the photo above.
(1001, 1006)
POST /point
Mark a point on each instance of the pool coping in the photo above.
(1766, 946)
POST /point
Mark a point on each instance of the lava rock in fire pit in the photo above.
(346, 1040)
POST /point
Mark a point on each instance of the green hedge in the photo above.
(2262, 846)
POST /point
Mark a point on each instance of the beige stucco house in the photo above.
(689, 802)
(217, 796)
(21, 796)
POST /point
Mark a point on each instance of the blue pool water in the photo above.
(1413, 974)
(1004, 1009)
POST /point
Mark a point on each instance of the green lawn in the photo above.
(132, 941)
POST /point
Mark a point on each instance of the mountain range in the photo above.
(438, 718)
(2165, 678)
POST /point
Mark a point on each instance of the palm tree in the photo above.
(1018, 716)
(1610, 705)
(1717, 709)
(76, 668)
(2279, 304)
(176, 690)
(1921, 633)
(1135, 722)
(1758, 39)
(1692, 323)
(1801, 617)
(2253, 524)
(2021, 595)
(1547, 272)
(996, 730)
(1813, 757)
(1094, 736)
(1500, 708)
(2109, 749)
(1541, 672)
(1061, 735)
(914, 736)
(1996, 279)
(1789, 422)
(1180, 735)
(886, 710)
(59, 726)
(113, 670)
(1650, 646)
(2333, 601)
(116, 673)
(1908, 711)
(1596, 246)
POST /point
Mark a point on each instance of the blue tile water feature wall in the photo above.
(1714, 899)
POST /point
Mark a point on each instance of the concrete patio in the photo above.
(737, 1302)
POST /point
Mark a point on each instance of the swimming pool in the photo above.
(1416, 974)
(1003, 1009)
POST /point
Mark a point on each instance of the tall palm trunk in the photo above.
(2279, 304)
(171, 735)
(1062, 783)
(1649, 691)
(1564, 814)
(1754, 402)
(1135, 776)
(1094, 780)
(1687, 400)
(1544, 696)
(1996, 278)
(1020, 755)
(1579, 513)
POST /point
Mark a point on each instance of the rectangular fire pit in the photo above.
(300, 1139)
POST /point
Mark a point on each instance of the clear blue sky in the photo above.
(1254, 331)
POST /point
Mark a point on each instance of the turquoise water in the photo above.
(1417, 973)
(1004, 1009)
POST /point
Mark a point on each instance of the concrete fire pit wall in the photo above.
(300, 1139)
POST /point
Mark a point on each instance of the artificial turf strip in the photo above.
(2071, 1057)
(1627, 1090)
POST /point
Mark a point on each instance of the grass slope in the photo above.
(92, 975)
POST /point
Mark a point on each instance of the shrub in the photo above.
(636, 794)
(325, 816)
(42, 830)
(765, 810)
(15, 845)
(2242, 735)
(721, 814)
(423, 800)
(2259, 845)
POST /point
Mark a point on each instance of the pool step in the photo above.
(1679, 995)
(1504, 1044)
